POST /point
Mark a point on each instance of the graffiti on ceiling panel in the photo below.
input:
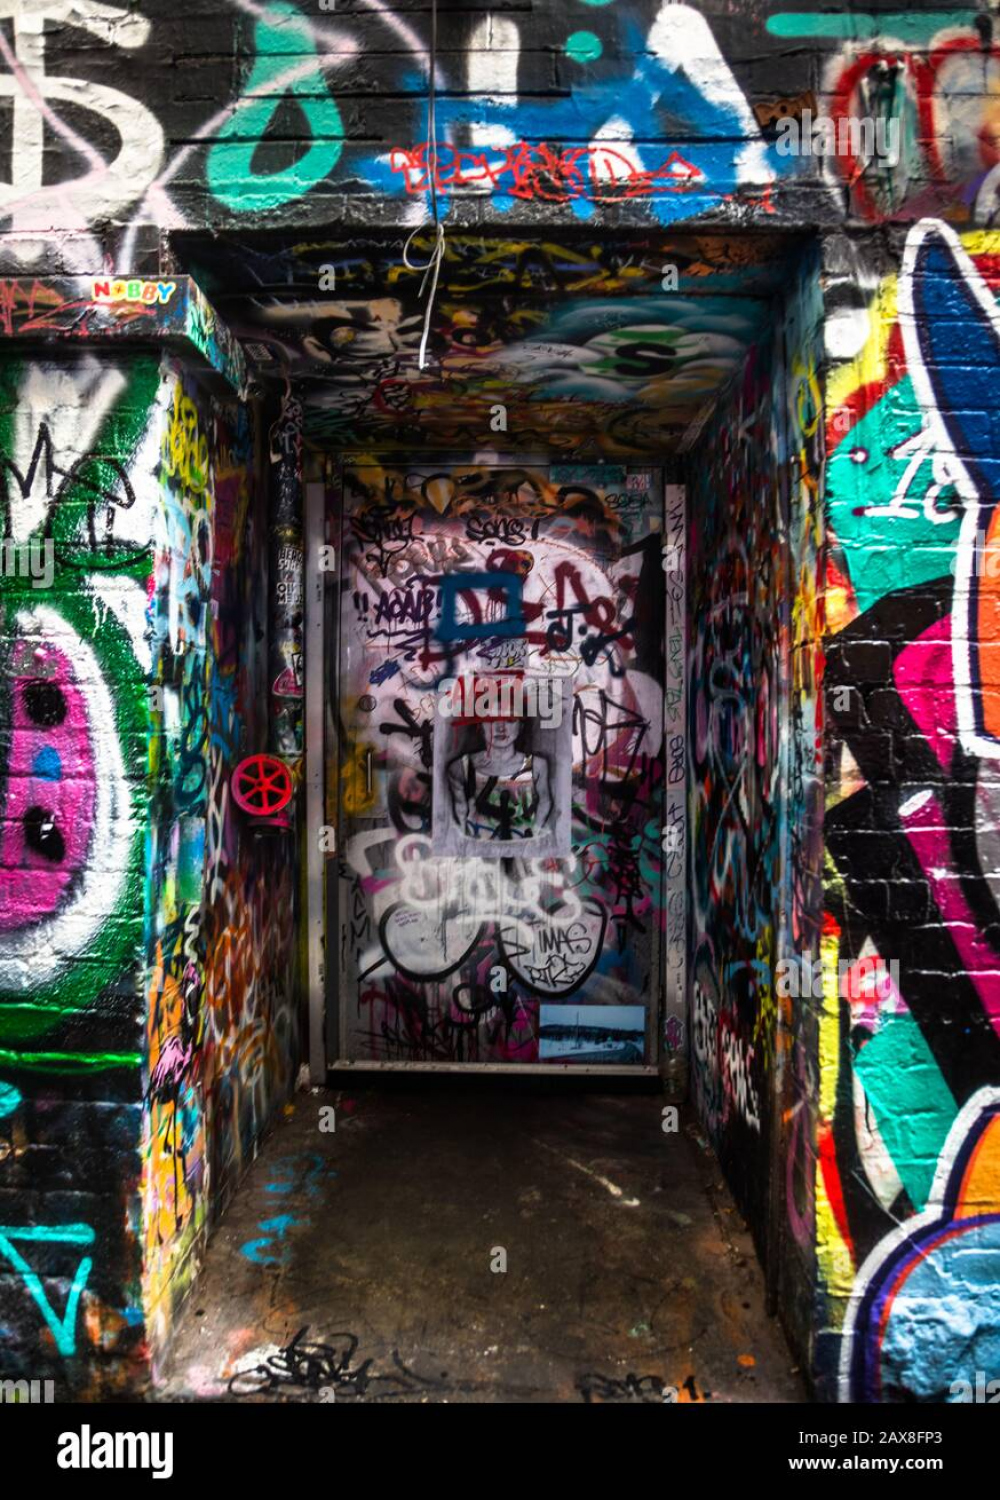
(612, 348)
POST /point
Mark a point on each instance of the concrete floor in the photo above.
(355, 1263)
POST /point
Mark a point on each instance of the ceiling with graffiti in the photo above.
(603, 348)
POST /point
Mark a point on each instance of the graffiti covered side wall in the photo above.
(908, 1194)
(145, 1029)
(220, 1021)
(756, 776)
(79, 459)
(250, 877)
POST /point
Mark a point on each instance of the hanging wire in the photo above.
(432, 267)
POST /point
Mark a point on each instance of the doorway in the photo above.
(562, 666)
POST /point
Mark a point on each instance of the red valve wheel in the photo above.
(262, 785)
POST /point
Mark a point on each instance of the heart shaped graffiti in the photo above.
(553, 953)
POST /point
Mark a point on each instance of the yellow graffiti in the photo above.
(766, 1019)
(357, 774)
(871, 365)
(184, 451)
(833, 1255)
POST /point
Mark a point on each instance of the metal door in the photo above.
(499, 774)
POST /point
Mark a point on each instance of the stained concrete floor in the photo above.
(356, 1264)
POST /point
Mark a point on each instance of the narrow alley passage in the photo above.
(500, 723)
(363, 1262)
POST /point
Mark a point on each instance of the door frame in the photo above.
(314, 820)
(328, 994)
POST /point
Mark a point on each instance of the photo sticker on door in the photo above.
(502, 764)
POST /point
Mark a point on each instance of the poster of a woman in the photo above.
(497, 787)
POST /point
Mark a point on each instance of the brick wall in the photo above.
(909, 1046)
(146, 1019)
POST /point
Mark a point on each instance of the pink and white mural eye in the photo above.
(67, 820)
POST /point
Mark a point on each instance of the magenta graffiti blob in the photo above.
(50, 792)
(66, 837)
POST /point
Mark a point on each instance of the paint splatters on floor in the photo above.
(470, 1244)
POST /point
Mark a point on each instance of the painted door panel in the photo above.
(500, 776)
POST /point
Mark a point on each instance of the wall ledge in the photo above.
(116, 310)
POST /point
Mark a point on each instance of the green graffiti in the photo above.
(68, 1063)
(583, 47)
(82, 499)
(96, 483)
(901, 26)
(890, 505)
(913, 1105)
(101, 482)
(282, 72)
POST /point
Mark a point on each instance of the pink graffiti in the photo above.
(925, 680)
(51, 789)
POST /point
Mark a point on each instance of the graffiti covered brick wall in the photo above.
(78, 451)
(243, 116)
(145, 1022)
(624, 113)
(908, 1199)
(552, 115)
